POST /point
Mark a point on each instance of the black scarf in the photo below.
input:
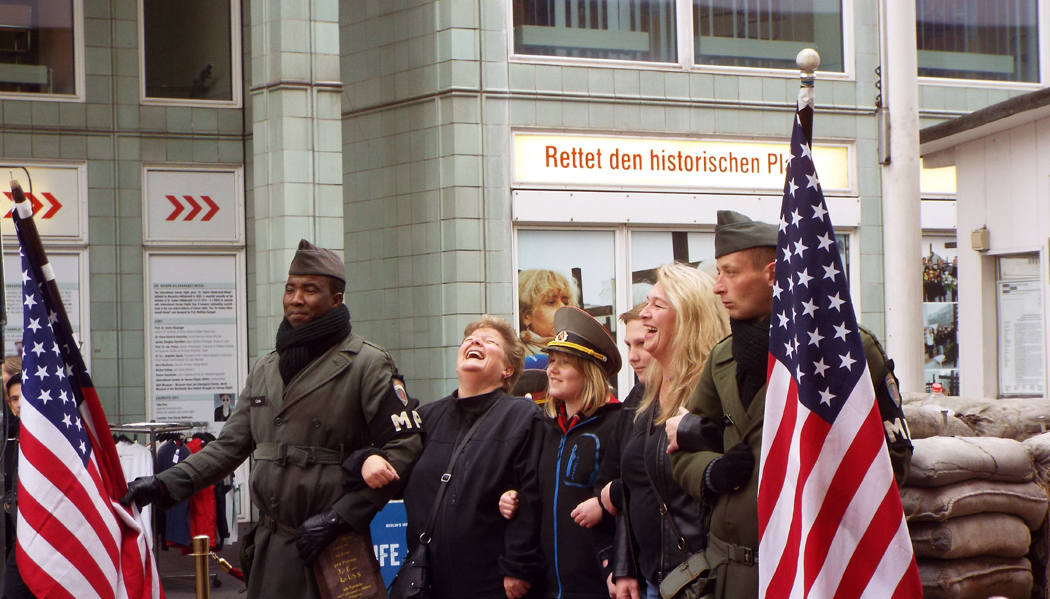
(305, 343)
(751, 354)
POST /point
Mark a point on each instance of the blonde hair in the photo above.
(513, 350)
(700, 323)
(12, 365)
(536, 285)
(595, 392)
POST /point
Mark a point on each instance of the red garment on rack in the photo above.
(202, 507)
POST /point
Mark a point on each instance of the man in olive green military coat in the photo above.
(717, 445)
(324, 397)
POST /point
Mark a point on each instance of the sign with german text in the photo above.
(57, 193)
(686, 164)
(189, 205)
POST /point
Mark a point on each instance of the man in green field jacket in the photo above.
(716, 446)
(324, 397)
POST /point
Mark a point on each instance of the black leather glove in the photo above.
(732, 470)
(146, 490)
(317, 533)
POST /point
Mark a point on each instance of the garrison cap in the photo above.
(312, 260)
(736, 232)
(580, 334)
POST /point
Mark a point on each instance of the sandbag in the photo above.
(1000, 535)
(937, 504)
(928, 421)
(1018, 418)
(976, 578)
(940, 461)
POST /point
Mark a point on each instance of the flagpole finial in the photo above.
(808, 60)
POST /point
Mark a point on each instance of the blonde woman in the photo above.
(683, 320)
(541, 293)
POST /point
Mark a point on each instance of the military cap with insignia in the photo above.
(578, 333)
(312, 260)
(735, 232)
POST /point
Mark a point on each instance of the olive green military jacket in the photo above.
(734, 519)
(300, 434)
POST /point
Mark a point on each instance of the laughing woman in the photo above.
(683, 319)
(474, 552)
(580, 422)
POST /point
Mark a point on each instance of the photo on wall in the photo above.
(940, 310)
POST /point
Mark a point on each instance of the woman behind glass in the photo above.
(541, 293)
(684, 319)
(476, 553)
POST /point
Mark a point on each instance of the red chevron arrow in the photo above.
(213, 208)
(196, 207)
(55, 205)
(36, 204)
(178, 208)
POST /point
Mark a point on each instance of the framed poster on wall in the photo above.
(1019, 303)
(196, 357)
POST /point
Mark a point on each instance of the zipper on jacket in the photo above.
(557, 486)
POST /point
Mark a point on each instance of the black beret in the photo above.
(736, 232)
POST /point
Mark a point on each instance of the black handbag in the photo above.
(413, 579)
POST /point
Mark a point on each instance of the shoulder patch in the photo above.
(891, 388)
(399, 390)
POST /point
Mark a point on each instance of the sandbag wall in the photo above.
(972, 504)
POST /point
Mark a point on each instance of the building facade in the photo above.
(179, 151)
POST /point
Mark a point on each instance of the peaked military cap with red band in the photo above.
(578, 333)
(312, 260)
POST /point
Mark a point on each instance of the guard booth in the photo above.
(1002, 159)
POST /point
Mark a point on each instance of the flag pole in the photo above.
(807, 60)
(25, 208)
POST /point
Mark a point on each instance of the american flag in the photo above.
(830, 518)
(74, 538)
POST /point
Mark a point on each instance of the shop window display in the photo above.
(767, 34)
(563, 268)
(37, 49)
(992, 40)
(940, 310)
(641, 30)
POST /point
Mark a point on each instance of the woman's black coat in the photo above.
(473, 546)
(652, 541)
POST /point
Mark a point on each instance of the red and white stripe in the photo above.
(74, 539)
(828, 524)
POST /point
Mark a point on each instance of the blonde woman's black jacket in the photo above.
(569, 473)
(651, 544)
(473, 546)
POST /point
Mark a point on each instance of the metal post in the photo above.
(901, 218)
(201, 551)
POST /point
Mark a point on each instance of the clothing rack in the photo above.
(152, 429)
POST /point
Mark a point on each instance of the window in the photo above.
(614, 29)
(188, 50)
(995, 40)
(37, 47)
(767, 33)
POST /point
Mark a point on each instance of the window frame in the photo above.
(79, 66)
(1043, 44)
(684, 44)
(236, 65)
